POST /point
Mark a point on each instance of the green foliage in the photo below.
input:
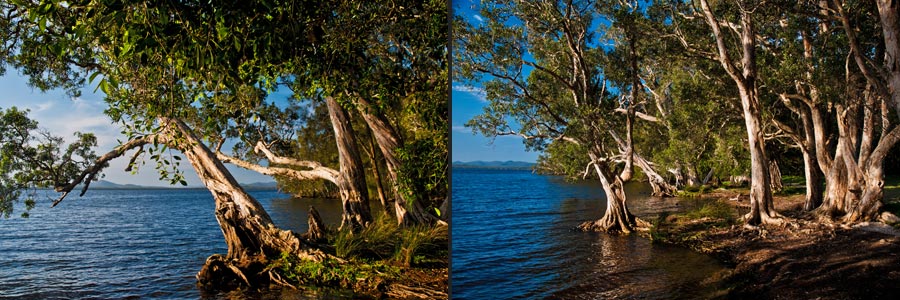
(31, 158)
(564, 159)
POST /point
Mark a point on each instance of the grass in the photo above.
(385, 240)
(333, 273)
(712, 210)
(377, 254)
(693, 191)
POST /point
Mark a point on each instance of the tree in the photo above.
(744, 73)
(545, 80)
(179, 75)
(398, 86)
(32, 158)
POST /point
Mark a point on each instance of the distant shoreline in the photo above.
(496, 165)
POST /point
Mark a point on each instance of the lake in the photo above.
(120, 244)
(513, 238)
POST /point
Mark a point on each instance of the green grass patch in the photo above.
(791, 190)
(331, 272)
(384, 240)
(693, 191)
(712, 210)
(793, 180)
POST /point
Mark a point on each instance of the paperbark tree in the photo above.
(762, 210)
(179, 74)
(538, 66)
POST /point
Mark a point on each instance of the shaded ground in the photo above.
(806, 259)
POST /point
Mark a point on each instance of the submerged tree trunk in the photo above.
(617, 217)
(352, 183)
(249, 233)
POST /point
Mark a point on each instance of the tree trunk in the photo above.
(376, 175)
(617, 218)
(660, 187)
(813, 181)
(409, 210)
(352, 182)
(870, 203)
(761, 208)
(775, 177)
(890, 26)
(249, 233)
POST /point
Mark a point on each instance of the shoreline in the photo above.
(802, 260)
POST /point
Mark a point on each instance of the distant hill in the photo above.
(271, 185)
(106, 185)
(509, 164)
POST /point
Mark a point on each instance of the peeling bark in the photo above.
(660, 187)
(249, 233)
(409, 211)
(352, 186)
(617, 217)
(761, 208)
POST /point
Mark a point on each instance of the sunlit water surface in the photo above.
(120, 244)
(513, 238)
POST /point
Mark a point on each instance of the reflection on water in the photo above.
(513, 237)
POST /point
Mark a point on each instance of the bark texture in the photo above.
(617, 217)
(409, 211)
(352, 183)
(249, 233)
(761, 208)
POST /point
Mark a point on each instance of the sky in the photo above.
(62, 116)
(468, 101)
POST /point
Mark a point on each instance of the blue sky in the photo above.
(467, 102)
(62, 116)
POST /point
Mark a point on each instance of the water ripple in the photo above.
(127, 244)
(513, 239)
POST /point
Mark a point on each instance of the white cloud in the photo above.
(477, 17)
(42, 107)
(474, 91)
(460, 128)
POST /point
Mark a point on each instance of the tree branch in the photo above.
(319, 172)
(101, 163)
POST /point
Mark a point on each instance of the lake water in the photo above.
(119, 244)
(513, 238)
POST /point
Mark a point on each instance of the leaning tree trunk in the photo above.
(617, 217)
(870, 203)
(352, 183)
(660, 187)
(249, 233)
(889, 14)
(408, 209)
(376, 176)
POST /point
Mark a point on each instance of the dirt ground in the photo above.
(805, 259)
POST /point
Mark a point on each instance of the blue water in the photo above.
(512, 238)
(116, 244)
